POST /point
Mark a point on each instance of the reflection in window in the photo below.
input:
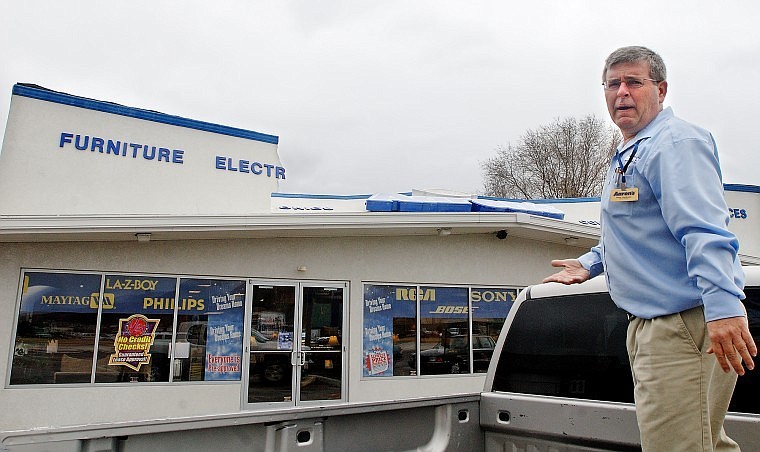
(490, 307)
(390, 325)
(446, 344)
(58, 319)
(272, 315)
(444, 330)
(135, 329)
(321, 330)
(271, 342)
(209, 340)
(55, 334)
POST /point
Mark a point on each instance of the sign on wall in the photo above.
(68, 155)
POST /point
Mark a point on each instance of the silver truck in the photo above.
(562, 379)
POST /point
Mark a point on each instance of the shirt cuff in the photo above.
(722, 305)
(590, 261)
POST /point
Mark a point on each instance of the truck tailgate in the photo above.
(521, 422)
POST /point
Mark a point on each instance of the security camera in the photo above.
(501, 235)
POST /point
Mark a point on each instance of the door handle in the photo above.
(298, 358)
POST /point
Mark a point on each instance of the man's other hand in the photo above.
(732, 342)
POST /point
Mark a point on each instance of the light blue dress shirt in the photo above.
(670, 250)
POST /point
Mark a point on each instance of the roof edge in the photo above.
(33, 91)
(111, 228)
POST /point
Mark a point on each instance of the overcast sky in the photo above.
(387, 96)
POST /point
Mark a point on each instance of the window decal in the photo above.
(133, 341)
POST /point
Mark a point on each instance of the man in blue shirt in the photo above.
(669, 261)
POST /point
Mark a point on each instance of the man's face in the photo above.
(631, 109)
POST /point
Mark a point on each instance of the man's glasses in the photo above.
(630, 82)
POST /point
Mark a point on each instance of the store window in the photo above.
(119, 328)
(444, 330)
(209, 334)
(390, 325)
(135, 329)
(490, 307)
(456, 331)
(55, 333)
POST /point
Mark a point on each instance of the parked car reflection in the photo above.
(452, 356)
(273, 364)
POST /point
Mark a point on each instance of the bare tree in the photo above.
(564, 159)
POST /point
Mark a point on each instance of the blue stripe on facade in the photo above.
(108, 107)
(742, 187)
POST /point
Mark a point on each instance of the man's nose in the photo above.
(623, 90)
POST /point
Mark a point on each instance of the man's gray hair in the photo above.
(634, 54)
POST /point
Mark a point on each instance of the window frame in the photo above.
(96, 346)
(513, 290)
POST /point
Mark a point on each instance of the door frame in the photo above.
(297, 350)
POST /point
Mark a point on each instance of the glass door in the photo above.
(295, 350)
(322, 317)
(271, 354)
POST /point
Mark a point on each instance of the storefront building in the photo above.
(150, 269)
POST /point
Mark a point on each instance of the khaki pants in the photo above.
(681, 392)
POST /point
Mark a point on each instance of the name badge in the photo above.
(624, 194)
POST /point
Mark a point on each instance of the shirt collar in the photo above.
(648, 131)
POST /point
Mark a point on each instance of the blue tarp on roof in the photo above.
(491, 205)
(391, 202)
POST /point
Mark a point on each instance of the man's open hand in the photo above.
(572, 272)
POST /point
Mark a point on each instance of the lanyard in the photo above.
(621, 169)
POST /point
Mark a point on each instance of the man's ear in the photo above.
(662, 89)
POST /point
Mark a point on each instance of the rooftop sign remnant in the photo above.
(70, 155)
